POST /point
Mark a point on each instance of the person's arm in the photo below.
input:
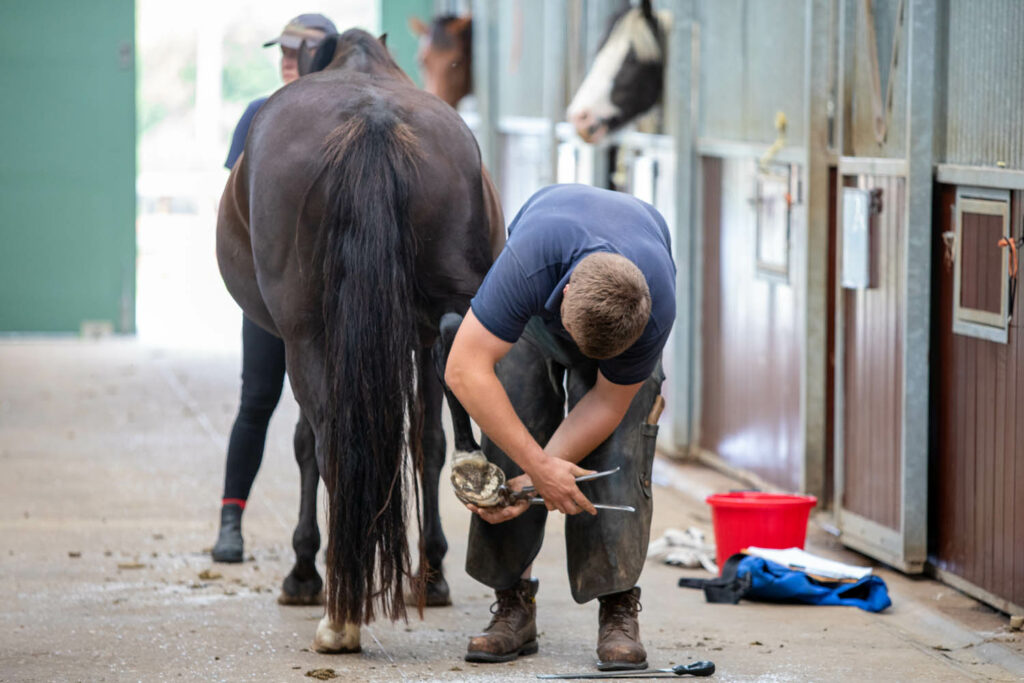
(592, 419)
(471, 377)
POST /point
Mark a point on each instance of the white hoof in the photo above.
(333, 638)
(475, 456)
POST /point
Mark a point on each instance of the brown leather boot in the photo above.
(618, 637)
(513, 629)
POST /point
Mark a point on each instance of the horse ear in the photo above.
(306, 54)
(457, 26)
(316, 59)
(645, 7)
(417, 27)
(383, 39)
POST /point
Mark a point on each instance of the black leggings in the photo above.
(262, 381)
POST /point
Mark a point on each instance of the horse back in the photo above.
(452, 206)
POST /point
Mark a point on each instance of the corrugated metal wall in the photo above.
(750, 361)
(871, 367)
(865, 98)
(752, 65)
(977, 517)
(985, 88)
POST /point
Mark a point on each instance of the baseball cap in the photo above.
(309, 27)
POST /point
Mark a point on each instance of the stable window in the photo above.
(981, 271)
(773, 200)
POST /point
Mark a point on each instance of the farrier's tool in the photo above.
(510, 497)
(480, 482)
(701, 668)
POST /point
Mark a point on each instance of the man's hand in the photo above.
(555, 480)
(497, 515)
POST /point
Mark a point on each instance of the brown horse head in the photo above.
(446, 56)
(626, 77)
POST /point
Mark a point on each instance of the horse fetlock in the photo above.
(334, 638)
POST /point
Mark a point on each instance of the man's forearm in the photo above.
(588, 424)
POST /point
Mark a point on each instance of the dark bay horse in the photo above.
(357, 217)
(626, 78)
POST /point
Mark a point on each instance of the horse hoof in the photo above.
(437, 594)
(333, 638)
(285, 599)
(296, 591)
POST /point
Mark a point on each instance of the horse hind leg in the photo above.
(303, 585)
(434, 543)
(465, 443)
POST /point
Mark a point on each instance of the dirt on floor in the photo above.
(111, 466)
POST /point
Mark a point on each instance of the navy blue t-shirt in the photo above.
(555, 229)
(242, 131)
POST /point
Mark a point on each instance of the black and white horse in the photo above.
(626, 77)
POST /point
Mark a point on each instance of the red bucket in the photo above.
(765, 520)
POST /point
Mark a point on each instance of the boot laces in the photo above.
(506, 606)
(621, 610)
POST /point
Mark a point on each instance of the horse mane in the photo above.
(639, 31)
(357, 50)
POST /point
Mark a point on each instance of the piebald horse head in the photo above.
(626, 77)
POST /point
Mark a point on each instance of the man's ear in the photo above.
(383, 39)
(418, 28)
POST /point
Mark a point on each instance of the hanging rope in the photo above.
(1003, 243)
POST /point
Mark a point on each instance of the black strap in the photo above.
(727, 588)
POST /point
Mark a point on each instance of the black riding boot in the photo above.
(229, 541)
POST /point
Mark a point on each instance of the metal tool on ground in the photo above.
(699, 668)
(510, 497)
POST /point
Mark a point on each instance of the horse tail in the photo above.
(371, 344)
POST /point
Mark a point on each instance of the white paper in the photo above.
(794, 558)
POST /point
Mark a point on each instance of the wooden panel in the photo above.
(750, 344)
(981, 275)
(977, 489)
(872, 367)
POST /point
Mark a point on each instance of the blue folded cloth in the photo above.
(755, 578)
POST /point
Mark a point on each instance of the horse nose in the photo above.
(584, 122)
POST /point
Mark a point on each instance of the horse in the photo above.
(357, 226)
(627, 76)
(445, 55)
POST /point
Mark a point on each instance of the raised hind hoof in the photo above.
(296, 591)
(332, 638)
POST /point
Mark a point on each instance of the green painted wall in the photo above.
(67, 167)
(394, 21)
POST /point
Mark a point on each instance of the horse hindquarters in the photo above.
(234, 249)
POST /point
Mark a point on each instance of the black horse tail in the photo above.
(371, 344)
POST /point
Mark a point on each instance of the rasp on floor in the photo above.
(701, 668)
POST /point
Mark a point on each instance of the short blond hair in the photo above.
(607, 305)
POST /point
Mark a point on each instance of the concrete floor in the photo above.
(111, 463)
